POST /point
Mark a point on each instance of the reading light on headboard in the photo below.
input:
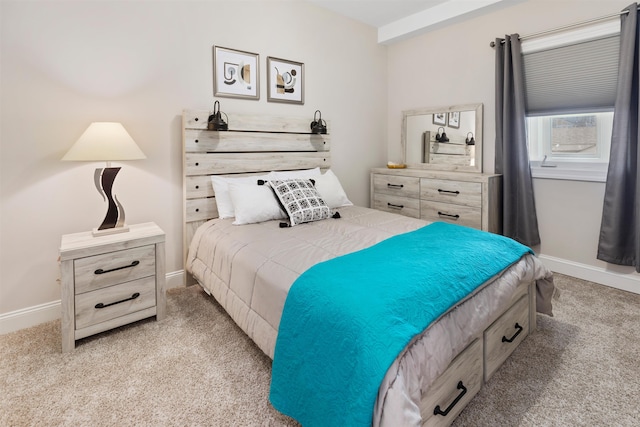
(470, 141)
(216, 122)
(318, 125)
(442, 137)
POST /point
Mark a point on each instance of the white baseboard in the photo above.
(32, 316)
(629, 282)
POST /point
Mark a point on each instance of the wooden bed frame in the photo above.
(259, 144)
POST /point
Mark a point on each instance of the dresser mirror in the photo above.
(443, 138)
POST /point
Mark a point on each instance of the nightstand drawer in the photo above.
(99, 271)
(457, 214)
(401, 186)
(115, 301)
(447, 191)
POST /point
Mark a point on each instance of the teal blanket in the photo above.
(346, 320)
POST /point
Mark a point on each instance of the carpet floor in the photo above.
(197, 368)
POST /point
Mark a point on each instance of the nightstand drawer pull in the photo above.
(440, 190)
(438, 411)
(519, 329)
(392, 206)
(395, 185)
(101, 271)
(448, 215)
(134, 296)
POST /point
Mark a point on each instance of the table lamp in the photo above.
(106, 141)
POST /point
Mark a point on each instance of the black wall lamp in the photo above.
(216, 122)
(470, 141)
(318, 125)
(442, 137)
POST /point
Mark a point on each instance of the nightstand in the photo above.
(111, 280)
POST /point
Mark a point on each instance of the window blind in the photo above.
(580, 77)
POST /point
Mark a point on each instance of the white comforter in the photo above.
(250, 268)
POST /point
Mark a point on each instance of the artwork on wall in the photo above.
(285, 81)
(454, 120)
(440, 119)
(236, 73)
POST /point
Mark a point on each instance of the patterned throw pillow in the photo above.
(300, 200)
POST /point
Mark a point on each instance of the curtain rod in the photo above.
(566, 27)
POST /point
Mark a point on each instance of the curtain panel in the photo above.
(619, 241)
(520, 221)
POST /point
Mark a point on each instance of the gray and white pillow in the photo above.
(301, 200)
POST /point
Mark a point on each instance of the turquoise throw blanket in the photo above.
(346, 320)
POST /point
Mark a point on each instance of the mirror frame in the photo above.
(477, 108)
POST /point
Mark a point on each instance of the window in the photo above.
(570, 83)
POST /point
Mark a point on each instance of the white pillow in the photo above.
(301, 200)
(254, 203)
(221, 190)
(331, 191)
(305, 173)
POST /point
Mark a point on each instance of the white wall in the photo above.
(66, 64)
(455, 65)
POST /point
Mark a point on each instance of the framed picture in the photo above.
(285, 81)
(454, 120)
(440, 119)
(236, 73)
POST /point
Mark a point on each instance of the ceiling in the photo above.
(400, 19)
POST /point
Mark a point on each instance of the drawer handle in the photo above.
(395, 185)
(101, 271)
(392, 206)
(456, 216)
(519, 329)
(134, 296)
(448, 191)
(438, 411)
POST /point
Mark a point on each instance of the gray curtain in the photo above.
(519, 219)
(620, 228)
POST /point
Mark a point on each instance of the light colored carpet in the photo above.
(196, 368)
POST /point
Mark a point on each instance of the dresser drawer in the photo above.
(504, 335)
(400, 205)
(116, 301)
(456, 192)
(454, 388)
(111, 268)
(457, 214)
(403, 186)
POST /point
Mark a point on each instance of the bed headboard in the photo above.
(253, 144)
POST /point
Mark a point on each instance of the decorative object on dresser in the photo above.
(111, 280)
(464, 198)
(106, 141)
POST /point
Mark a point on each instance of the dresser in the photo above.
(111, 280)
(465, 198)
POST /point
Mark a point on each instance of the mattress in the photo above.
(250, 268)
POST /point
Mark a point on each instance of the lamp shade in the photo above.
(104, 141)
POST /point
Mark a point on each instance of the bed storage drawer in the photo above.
(504, 335)
(400, 205)
(454, 388)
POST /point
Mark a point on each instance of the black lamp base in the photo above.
(114, 219)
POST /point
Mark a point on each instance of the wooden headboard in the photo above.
(253, 144)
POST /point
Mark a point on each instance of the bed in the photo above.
(250, 268)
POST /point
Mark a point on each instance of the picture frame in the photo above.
(454, 120)
(440, 119)
(285, 81)
(236, 73)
